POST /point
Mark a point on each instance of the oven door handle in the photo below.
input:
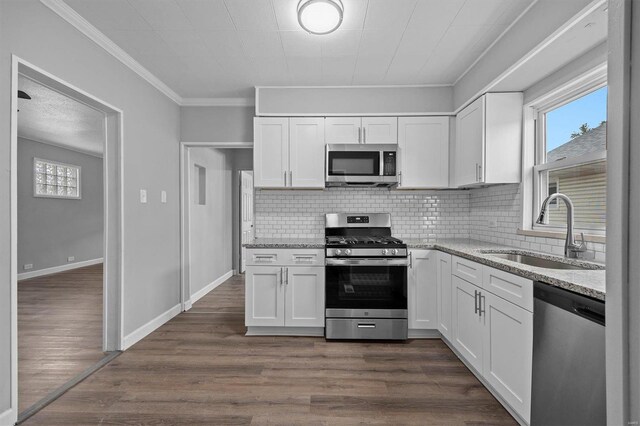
(367, 262)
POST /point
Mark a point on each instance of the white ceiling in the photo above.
(222, 48)
(56, 119)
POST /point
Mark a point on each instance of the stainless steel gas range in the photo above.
(366, 278)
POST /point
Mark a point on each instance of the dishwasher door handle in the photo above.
(589, 314)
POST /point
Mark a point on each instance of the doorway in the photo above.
(247, 228)
(66, 188)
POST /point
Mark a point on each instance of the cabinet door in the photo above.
(264, 296)
(270, 152)
(467, 325)
(470, 137)
(380, 130)
(304, 297)
(423, 144)
(306, 153)
(507, 352)
(422, 290)
(443, 273)
(343, 130)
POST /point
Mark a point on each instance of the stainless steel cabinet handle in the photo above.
(286, 275)
(281, 276)
(285, 178)
(476, 302)
(483, 301)
(359, 134)
(290, 178)
(364, 135)
(411, 260)
(400, 178)
(476, 172)
(366, 326)
(479, 172)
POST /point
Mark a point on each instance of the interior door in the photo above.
(343, 129)
(306, 153)
(247, 230)
(468, 326)
(470, 144)
(423, 145)
(380, 130)
(270, 152)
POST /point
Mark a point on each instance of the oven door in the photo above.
(375, 288)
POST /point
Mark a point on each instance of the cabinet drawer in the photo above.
(515, 289)
(285, 257)
(467, 270)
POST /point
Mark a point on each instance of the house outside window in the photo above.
(570, 147)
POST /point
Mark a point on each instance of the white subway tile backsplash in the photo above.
(414, 214)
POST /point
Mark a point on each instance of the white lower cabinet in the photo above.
(304, 296)
(468, 326)
(443, 275)
(264, 301)
(422, 290)
(287, 293)
(507, 352)
(493, 333)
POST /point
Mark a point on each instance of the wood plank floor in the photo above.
(200, 369)
(59, 330)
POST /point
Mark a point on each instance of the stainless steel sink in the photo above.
(540, 262)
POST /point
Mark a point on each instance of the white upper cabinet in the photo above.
(369, 130)
(489, 141)
(306, 153)
(423, 146)
(343, 130)
(288, 152)
(270, 152)
(380, 130)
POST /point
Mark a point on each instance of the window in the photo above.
(571, 157)
(55, 180)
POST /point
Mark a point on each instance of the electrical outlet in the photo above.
(493, 223)
(163, 197)
(143, 196)
(71, 258)
(28, 266)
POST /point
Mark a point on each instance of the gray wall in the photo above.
(210, 233)
(216, 124)
(151, 245)
(49, 229)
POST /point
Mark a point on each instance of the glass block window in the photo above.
(55, 180)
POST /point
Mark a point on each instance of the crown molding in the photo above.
(230, 102)
(71, 16)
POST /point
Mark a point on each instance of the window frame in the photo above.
(57, 163)
(535, 148)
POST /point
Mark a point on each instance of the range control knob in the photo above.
(347, 252)
(338, 252)
(384, 252)
(394, 251)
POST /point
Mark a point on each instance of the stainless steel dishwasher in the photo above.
(568, 386)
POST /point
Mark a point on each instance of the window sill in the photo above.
(561, 235)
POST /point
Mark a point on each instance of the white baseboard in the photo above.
(8, 418)
(57, 269)
(146, 329)
(415, 333)
(206, 289)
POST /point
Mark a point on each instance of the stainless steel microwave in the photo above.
(352, 165)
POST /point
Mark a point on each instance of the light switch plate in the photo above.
(28, 266)
(143, 196)
(163, 197)
(71, 258)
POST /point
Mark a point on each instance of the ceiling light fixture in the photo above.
(320, 16)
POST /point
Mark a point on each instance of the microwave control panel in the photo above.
(389, 161)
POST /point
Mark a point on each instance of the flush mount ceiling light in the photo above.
(320, 16)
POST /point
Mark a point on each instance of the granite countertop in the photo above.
(586, 282)
(589, 282)
(311, 243)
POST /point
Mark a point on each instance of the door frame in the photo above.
(113, 252)
(185, 185)
(239, 236)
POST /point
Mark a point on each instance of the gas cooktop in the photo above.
(362, 241)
